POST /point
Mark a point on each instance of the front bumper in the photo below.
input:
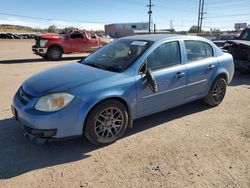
(39, 50)
(61, 124)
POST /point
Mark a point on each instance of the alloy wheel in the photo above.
(109, 123)
(218, 92)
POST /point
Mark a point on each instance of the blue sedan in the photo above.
(130, 78)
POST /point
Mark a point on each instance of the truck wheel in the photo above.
(54, 53)
(45, 56)
(106, 122)
(216, 93)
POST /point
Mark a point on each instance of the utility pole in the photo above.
(199, 17)
(171, 24)
(202, 14)
(149, 15)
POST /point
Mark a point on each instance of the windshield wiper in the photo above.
(114, 68)
(91, 64)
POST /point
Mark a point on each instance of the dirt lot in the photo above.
(189, 146)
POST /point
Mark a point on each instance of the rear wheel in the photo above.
(54, 53)
(106, 122)
(217, 92)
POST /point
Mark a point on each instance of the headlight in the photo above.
(53, 102)
(43, 42)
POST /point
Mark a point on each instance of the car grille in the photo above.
(37, 41)
(23, 96)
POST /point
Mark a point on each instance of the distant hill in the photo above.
(20, 29)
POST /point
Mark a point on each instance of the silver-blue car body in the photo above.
(130, 78)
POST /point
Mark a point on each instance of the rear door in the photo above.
(201, 65)
(170, 75)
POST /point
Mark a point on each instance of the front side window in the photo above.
(76, 36)
(197, 50)
(165, 55)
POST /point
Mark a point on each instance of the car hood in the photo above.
(244, 42)
(63, 78)
(50, 36)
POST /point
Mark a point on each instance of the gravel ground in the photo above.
(188, 146)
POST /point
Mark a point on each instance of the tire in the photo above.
(45, 57)
(54, 53)
(106, 122)
(217, 92)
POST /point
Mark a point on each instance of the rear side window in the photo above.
(209, 50)
(197, 50)
(165, 55)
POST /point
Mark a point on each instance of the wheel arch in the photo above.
(222, 74)
(116, 98)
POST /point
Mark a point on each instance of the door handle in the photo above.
(211, 67)
(180, 74)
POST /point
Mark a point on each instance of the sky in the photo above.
(94, 14)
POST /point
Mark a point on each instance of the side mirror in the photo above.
(151, 81)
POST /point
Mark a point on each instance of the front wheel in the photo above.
(217, 92)
(106, 122)
(54, 53)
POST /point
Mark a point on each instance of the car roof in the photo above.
(157, 37)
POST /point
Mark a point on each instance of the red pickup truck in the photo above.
(52, 46)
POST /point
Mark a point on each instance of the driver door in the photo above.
(76, 42)
(170, 76)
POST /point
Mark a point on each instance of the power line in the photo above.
(228, 15)
(51, 19)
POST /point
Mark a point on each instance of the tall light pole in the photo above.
(149, 15)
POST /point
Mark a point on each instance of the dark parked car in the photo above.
(240, 49)
(221, 39)
(6, 36)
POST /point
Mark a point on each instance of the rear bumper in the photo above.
(39, 50)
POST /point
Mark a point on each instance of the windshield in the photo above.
(245, 35)
(118, 55)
